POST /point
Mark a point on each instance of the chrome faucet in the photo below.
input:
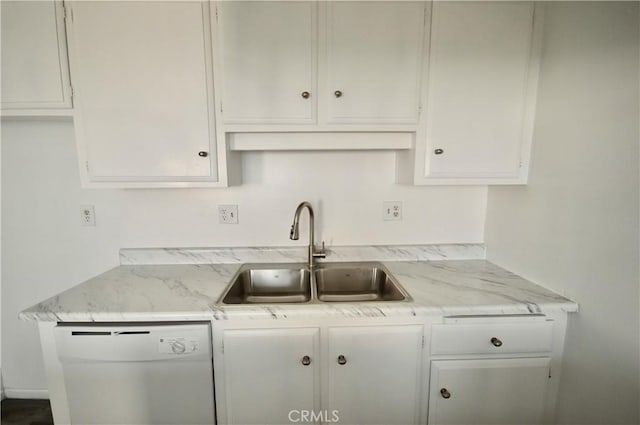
(295, 234)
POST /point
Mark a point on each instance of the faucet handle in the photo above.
(321, 253)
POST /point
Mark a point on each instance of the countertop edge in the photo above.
(274, 312)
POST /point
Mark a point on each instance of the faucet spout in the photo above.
(295, 232)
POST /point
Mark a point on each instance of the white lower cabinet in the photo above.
(363, 374)
(374, 374)
(488, 391)
(443, 370)
(269, 373)
(492, 369)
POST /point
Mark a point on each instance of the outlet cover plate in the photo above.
(392, 210)
(87, 215)
(228, 214)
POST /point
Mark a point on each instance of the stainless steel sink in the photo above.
(269, 283)
(357, 282)
(329, 282)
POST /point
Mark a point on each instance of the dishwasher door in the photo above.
(129, 374)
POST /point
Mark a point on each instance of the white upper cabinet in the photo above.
(35, 74)
(143, 78)
(479, 62)
(326, 65)
(267, 54)
(480, 93)
(373, 61)
(165, 92)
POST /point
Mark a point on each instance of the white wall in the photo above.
(575, 228)
(1, 385)
(45, 250)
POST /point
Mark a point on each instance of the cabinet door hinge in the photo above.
(86, 165)
(216, 13)
(422, 341)
(222, 347)
(73, 93)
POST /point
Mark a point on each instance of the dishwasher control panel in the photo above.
(177, 345)
(132, 343)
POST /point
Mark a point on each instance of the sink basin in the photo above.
(356, 282)
(330, 282)
(269, 283)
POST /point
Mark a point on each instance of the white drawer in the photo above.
(492, 338)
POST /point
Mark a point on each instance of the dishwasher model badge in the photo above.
(177, 345)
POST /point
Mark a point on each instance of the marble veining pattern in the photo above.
(138, 256)
(190, 292)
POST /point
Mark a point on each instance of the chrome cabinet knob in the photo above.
(203, 154)
(305, 94)
(438, 151)
(337, 93)
(496, 342)
(445, 393)
(306, 360)
(342, 360)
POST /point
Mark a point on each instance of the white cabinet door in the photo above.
(267, 376)
(267, 54)
(142, 70)
(488, 391)
(373, 61)
(481, 90)
(377, 379)
(35, 72)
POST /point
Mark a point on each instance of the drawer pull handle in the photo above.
(305, 94)
(445, 393)
(496, 342)
(342, 360)
(306, 360)
(438, 151)
(203, 154)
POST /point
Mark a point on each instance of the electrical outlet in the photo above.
(228, 214)
(392, 210)
(87, 215)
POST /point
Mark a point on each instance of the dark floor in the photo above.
(26, 412)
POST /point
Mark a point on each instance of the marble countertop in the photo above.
(153, 292)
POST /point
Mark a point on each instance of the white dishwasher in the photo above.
(137, 374)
